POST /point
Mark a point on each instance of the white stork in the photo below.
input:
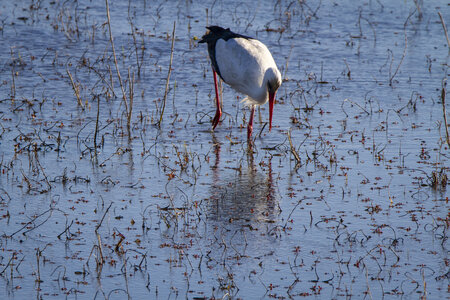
(246, 65)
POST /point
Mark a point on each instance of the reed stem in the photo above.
(168, 76)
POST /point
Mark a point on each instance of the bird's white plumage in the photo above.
(247, 66)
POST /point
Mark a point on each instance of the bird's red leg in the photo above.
(219, 110)
(250, 123)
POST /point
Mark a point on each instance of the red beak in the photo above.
(271, 102)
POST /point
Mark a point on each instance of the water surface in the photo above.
(184, 212)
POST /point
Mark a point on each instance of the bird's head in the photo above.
(213, 33)
(273, 78)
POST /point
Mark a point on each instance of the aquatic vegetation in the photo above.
(113, 185)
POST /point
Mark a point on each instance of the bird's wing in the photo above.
(242, 63)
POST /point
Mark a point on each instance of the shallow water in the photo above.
(183, 212)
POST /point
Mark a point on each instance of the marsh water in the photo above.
(346, 196)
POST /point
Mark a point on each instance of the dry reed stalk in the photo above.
(294, 152)
(445, 30)
(391, 77)
(76, 89)
(102, 259)
(168, 76)
(40, 166)
(99, 240)
(133, 33)
(13, 85)
(445, 113)
(131, 90)
(124, 95)
(96, 125)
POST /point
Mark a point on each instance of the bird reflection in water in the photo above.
(242, 216)
(242, 194)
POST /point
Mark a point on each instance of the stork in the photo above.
(246, 65)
